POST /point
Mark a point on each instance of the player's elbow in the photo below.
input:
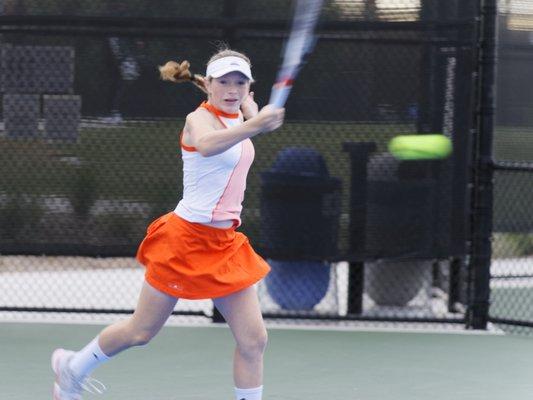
(206, 149)
(206, 153)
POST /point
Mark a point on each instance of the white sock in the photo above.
(249, 394)
(87, 359)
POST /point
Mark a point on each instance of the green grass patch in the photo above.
(141, 162)
(513, 144)
(131, 161)
(512, 245)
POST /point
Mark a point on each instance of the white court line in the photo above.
(512, 266)
(350, 326)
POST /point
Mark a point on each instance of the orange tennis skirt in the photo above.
(194, 261)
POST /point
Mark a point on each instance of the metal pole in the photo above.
(359, 154)
(482, 196)
(455, 284)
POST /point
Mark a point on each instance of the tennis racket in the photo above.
(300, 43)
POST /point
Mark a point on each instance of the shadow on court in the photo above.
(187, 363)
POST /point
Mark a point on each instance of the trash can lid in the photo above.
(300, 161)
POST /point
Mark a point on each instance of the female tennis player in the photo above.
(194, 252)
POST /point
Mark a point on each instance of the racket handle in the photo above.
(279, 95)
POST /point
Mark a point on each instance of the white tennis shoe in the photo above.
(67, 386)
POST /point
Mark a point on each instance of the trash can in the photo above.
(300, 208)
(396, 282)
(297, 285)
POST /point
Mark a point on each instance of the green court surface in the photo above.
(193, 363)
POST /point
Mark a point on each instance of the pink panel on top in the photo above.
(229, 205)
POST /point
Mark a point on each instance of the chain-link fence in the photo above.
(512, 266)
(90, 154)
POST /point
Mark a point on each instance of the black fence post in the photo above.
(359, 153)
(217, 316)
(482, 196)
(455, 282)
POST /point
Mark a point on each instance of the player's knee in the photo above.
(141, 338)
(254, 345)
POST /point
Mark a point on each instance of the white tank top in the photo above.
(213, 187)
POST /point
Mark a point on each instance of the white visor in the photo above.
(225, 65)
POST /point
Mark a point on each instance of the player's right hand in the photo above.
(270, 118)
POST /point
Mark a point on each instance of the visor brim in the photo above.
(227, 70)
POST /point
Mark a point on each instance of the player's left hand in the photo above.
(249, 107)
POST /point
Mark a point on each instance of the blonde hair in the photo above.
(178, 73)
(175, 72)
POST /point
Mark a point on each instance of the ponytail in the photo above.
(178, 73)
